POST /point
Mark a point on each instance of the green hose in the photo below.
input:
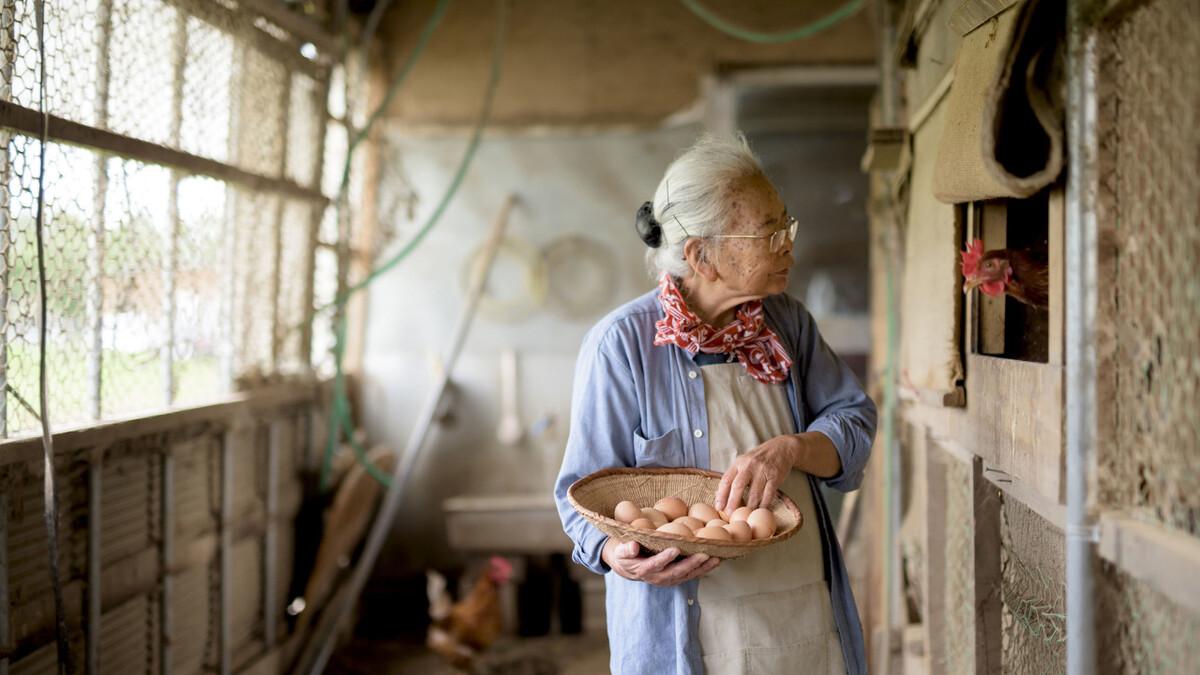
(828, 21)
(340, 414)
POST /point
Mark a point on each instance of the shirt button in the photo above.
(691, 601)
(692, 374)
(697, 433)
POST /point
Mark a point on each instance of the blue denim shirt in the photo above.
(635, 404)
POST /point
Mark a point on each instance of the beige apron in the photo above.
(768, 612)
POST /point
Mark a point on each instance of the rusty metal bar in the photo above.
(28, 121)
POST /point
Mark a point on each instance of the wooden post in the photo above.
(5, 638)
(993, 232)
(934, 611)
(171, 273)
(95, 520)
(1056, 224)
(988, 602)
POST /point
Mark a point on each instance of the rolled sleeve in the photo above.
(837, 405)
(604, 413)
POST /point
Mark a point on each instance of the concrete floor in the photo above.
(564, 655)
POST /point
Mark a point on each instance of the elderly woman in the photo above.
(719, 369)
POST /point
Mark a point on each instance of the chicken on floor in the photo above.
(461, 631)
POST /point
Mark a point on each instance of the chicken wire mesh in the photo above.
(1149, 462)
(1143, 631)
(1033, 592)
(164, 286)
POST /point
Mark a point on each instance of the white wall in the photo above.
(586, 184)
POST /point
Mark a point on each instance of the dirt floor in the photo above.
(566, 655)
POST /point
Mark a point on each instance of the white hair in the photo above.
(692, 197)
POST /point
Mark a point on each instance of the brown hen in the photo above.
(461, 631)
(1021, 273)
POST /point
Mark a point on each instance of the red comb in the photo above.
(971, 258)
(501, 569)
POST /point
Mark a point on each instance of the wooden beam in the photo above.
(242, 28)
(366, 226)
(28, 121)
(220, 413)
(303, 27)
(1049, 509)
(1165, 559)
(1016, 420)
(804, 76)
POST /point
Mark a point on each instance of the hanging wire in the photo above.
(340, 414)
(49, 491)
(808, 30)
(341, 422)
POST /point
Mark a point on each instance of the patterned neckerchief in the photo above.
(747, 337)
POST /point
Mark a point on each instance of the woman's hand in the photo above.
(763, 470)
(658, 569)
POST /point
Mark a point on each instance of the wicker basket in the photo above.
(596, 495)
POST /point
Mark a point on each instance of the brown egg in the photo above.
(716, 522)
(740, 531)
(676, 528)
(704, 512)
(714, 533)
(655, 516)
(627, 512)
(740, 513)
(672, 507)
(693, 523)
(643, 524)
(762, 522)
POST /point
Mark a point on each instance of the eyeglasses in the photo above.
(776, 238)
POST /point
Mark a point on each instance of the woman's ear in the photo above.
(698, 254)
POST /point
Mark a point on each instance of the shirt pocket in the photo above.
(665, 450)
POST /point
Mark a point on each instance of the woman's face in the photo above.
(748, 267)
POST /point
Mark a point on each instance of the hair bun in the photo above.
(649, 229)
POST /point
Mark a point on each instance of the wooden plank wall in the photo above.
(177, 499)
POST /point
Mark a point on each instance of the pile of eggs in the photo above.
(673, 516)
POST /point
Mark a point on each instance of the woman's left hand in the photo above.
(763, 470)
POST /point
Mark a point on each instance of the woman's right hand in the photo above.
(659, 569)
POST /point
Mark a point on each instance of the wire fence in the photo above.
(1141, 630)
(1033, 592)
(186, 177)
(1149, 458)
(1149, 307)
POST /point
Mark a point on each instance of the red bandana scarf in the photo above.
(756, 346)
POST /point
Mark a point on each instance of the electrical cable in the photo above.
(49, 487)
(808, 30)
